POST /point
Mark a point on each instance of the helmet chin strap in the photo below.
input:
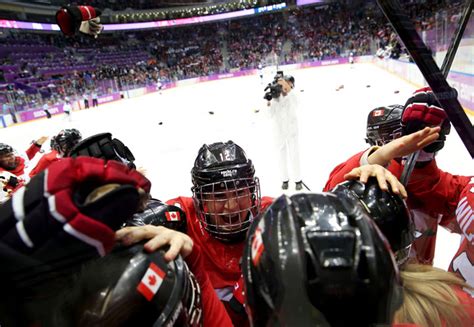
(411, 160)
(426, 156)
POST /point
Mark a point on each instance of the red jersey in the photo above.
(463, 262)
(467, 301)
(213, 311)
(221, 260)
(19, 170)
(32, 150)
(44, 162)
(431, 200)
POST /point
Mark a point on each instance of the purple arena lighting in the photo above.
(145, 25)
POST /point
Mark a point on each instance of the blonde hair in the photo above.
(429, 298)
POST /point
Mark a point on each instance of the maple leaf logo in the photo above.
(152, 280)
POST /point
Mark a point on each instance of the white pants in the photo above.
(289, 157)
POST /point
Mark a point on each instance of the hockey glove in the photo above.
(422, 109)
(84, 200)
(85, 19)
(103, 146)
(91, 27)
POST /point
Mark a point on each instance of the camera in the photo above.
(273, 87)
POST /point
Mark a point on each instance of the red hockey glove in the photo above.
(79, 18)
(422, 109)
(9, 183)
(85, 199)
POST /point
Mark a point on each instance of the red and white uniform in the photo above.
(432, 197)
(19, 171)
(44, 162)
(463, 262)
(221, 260)
(213, 311)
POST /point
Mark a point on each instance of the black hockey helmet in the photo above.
(384, 124)
(309, 255)
(388, 210)
(7, 157)
(225, 190)
(65, 140)
(130, 287)
(5, 149)
(158, 213)
(103, 146)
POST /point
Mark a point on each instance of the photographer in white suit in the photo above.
(283, 105)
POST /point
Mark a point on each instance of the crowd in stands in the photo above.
(139, 10)
(424, 16)
(49, 67)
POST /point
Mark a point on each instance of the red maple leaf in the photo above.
(152, 280)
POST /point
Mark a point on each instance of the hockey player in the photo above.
(140, 294)
(432, 297)
(260, 72)
(313, 260)
(463, 261)
(67, 108)
(226, 198)
(95, 99)
(61, 145)
(65, 215)
(428, 183)
(46, 109)
(384, 125)
(283, 112)
(159, 85)
(11, 163)
(85, 97)
(45, 279)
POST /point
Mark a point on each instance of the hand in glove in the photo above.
(91, 27)
(422, 110)
(79, 18)
(83, 200)
(8, 184)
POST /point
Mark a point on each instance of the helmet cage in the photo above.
(383, 133)
(192, 300)
(217, 195)
(188, 311)
(402, 255)
(384, 124)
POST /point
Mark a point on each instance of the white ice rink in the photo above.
(332, 128)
